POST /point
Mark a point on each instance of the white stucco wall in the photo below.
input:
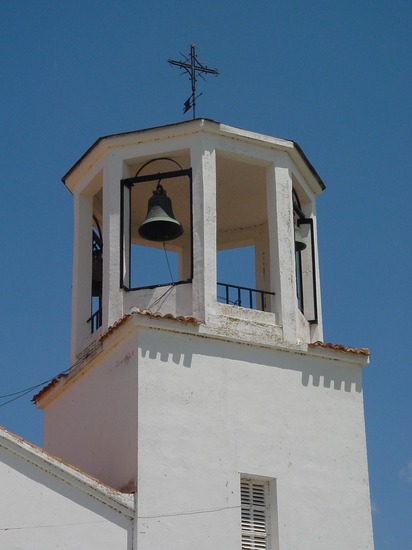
(93, 423)
(41, 511)
(210, 410)
(190, 413)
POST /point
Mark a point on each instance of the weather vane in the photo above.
(192, 67)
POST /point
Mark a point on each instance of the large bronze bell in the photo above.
(160, 224)
(299, 242)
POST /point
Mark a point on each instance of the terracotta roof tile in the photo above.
(340, 347)
(186, 319)
(115, 326)
(145, 312)
(49, 386)
(38, 449)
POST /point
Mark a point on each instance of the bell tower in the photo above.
(229, 189)
(215, 401)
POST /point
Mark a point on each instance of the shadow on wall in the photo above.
(177, 357)
(316, 372)
(339, 379)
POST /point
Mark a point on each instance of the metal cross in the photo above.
(192, 66)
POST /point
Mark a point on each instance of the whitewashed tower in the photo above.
(217, 403)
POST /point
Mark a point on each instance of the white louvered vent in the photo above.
(254, 504)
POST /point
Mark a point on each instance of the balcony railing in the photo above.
(243, 296)
(95, 320)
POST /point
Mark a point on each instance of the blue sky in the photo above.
(333, 76)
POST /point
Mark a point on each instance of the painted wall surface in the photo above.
(38, 511)
(210, 410)
(93, 424)
(178, 299)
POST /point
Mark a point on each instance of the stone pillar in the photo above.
(82, 272)
(203, 160)
(114, 170)
(282, 251)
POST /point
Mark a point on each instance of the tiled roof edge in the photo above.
(115, 326)
(143, 312)
(340, 347)
(48, 387)
(185, 319)
(83, 477)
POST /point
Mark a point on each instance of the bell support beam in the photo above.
(309, 259)
(125, 232)
(310, 270)
(156, 177)
(317, 330)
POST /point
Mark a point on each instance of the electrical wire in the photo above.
(168, 264)
(25, 527)
(169, 289)
(233, 303)
(21, 393)
(192, 512)
(18, 397)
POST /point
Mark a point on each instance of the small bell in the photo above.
(160, 224)
(299, 242)
(97, 263)
(97, 273)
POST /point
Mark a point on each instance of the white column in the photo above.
(203, 160)
(185, 257)
(126, 237)
(113, 172)
(82, 272)
(262, 266)
(316, 330)
(282, 249)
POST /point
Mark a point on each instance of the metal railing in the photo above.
(243, 296)
(95, 320)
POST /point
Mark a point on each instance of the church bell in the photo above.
(299, 242)
(97, 273)
(160, 223)
(97, 263)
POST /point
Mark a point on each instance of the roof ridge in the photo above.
(9, 439)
